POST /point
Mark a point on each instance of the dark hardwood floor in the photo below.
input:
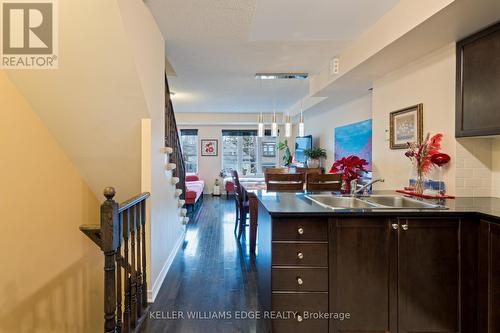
(212, 275)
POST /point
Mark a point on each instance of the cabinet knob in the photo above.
(299, 318)
(300, 281)
(395, 226)
(300, 231)
(405, 227)
(300, 255)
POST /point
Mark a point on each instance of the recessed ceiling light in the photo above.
(281, 76)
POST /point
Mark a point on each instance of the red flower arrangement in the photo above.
(421, 154)
(425, 155)
(351, 167)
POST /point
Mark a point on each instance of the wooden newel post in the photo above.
(110, 233)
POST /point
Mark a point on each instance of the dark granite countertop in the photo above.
(297, 204)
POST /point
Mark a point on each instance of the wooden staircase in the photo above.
(174, 149)
(121, 236)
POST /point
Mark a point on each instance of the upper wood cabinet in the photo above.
(478, 84)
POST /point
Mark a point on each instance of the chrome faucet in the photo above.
(355, 190)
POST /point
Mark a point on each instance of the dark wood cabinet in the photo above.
(428, 275)
(397, 275)
(363, 275)
(385, 274)
(478, 83)
(292, 269)
(489, 277)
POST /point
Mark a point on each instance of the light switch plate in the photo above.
(334, 66)
(386, 135)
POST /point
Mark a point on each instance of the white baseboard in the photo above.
(152, 293)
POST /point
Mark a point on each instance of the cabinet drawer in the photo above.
(300, 279)
(301, 304)
(300, 254)
(300, 230)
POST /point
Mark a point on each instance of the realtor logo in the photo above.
(29, 34)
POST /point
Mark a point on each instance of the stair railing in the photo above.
(172, 140)
(122, 239)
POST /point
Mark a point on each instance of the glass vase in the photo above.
(417, 179)
(419, 182)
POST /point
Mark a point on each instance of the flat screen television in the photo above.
(301, 144)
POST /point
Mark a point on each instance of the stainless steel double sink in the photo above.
(371, 202)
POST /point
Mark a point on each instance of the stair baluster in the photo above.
(125, 304)
(172, 140)
(143, 236)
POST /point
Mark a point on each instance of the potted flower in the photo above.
(314, 156)
(287, 155)
(351, 167)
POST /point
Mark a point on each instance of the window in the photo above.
(243, 151)
(268, 149)
(189, 144)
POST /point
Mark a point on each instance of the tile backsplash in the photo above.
(495, 168)
(474, 167)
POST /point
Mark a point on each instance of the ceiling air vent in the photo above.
(281, 76)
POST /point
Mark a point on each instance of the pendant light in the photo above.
(260, 128)
(274, 126)
(301, 121)
(288, 126)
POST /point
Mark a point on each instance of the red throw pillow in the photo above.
(190, 195)
(192, 178)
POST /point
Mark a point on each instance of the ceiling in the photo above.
(216, 46)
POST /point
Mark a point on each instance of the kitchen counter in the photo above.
(282, 204)
(391, 270)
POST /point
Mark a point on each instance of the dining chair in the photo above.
(273, 171)
(285, 182)
(323, 182)
(242, 207)
(308, 171)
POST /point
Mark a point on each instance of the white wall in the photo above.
(404, 17)
(210, 126)
(474, 169)
(93, 103)
(209, 167)
(52, 274)
(431, 81)
(322, 125)
(213, 118)
(165, 230)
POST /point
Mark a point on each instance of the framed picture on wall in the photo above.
(209, 147)
(405, 126)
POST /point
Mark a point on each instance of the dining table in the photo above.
(249, 189)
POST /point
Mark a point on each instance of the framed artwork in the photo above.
(406, 125)
(354, 139)
(209, 147)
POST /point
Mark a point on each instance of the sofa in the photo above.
(194, 190)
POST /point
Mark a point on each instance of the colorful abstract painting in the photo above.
(354, 139)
